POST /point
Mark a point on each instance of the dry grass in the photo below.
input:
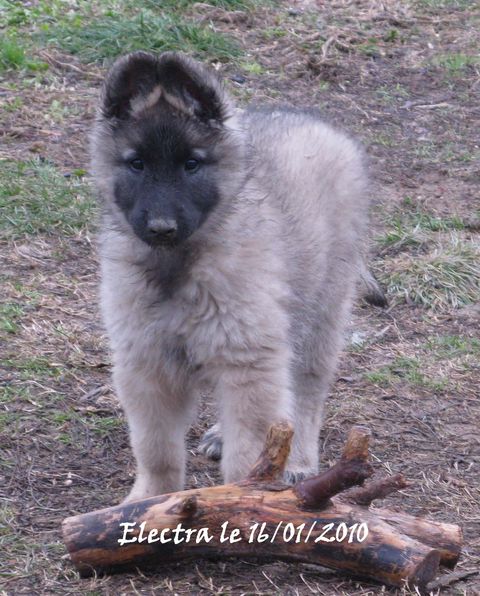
(445, 277)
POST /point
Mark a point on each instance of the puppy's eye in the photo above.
(191, 165)
(136, 164)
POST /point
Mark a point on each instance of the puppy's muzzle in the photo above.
(162, 229)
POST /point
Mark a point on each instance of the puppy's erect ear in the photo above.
(194, 88)
(131, 76)
(140, 80)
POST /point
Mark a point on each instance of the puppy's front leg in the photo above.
(253, 395)
(158, 415)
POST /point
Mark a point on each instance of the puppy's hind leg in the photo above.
(310, 396)
(370, 289)
(314, 372)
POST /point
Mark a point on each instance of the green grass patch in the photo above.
(443, 278)
(106, 425)
(59, 111)
(370, 48)
(34, 366)
(453, 346)
(438, 224)
(383, 139)
(14, 393)
(13, 104)
(35, 198)
(10, 315)
(14, 56)
(59, 418)
(404, 369)
(13, 310)
(455, 63)
(438, 4)
(10, 420)
(413, 229)
(252, 67)
(103, 30)
(402, 237)
(273, 33)
(185, 4)
(14, 14)
(70, 425)
(105, 36)
(7, 520)
(25, 554)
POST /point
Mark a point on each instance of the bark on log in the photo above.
(261, 517)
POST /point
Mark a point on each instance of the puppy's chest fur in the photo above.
(196, 308)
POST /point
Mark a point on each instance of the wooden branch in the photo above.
(311, 522)
(378, 489)
(271, 463)
(315, 492)
(352, 469)
(446, 538)
(356, 447)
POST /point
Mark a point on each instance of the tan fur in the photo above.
(141, 103)
(260, 314)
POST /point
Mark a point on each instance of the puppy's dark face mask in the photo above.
(165, 116)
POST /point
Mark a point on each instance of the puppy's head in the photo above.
(166, 152)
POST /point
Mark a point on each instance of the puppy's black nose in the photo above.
(162, 227)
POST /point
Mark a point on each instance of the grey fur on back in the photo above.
(254, 301)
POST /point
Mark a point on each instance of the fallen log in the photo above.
(321, 520)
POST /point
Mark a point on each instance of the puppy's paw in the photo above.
(290, 477)
(211, 443)
(153, 485)
(136, 495)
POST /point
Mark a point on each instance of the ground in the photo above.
(404, 78)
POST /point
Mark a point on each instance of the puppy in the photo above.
(231, 242)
